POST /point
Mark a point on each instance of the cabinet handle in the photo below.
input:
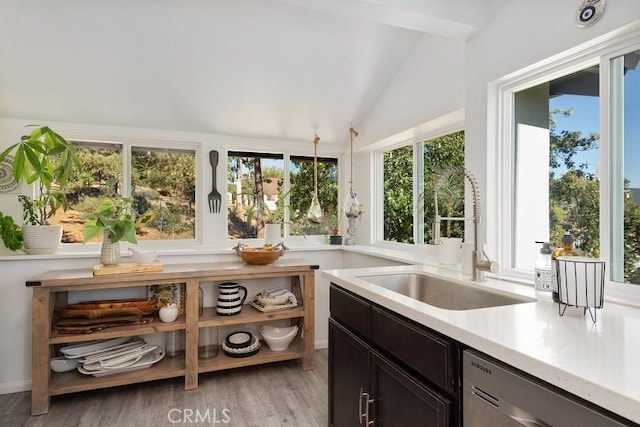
(364, 414)
(360, 414)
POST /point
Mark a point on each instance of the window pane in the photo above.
(100, 164)
(556, 165)
(302, 190)
(398, 195)
(164, 180)
(254, 177)
(625, 119)
(440, 155)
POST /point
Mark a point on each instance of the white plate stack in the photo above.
(108, 357)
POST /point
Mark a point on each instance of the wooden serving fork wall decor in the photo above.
(215, 198)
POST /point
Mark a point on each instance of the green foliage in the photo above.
(248, 211)
(574, 197)
(46, 158)
(302, 190)
(440, 155)
(116, 219)
(10, 232)
(398, 195)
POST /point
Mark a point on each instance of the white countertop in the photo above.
(596, 361)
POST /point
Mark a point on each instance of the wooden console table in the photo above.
(50, 290)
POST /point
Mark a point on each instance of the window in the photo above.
(255, 185)
(301, 194)
(398, 195)
(625, 174)
(569, 155)
(260, 193)
(556, 163)
(411, 172)
(158, 179)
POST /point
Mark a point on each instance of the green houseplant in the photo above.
(116, 222)
(45, 158)
(333, 220)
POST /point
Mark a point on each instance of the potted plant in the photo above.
(45, 158)
(334, 229)
(116, 222)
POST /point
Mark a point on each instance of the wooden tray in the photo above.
(126, 268)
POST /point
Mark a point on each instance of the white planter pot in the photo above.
(272, 234)
(168, 313)
(41, 239)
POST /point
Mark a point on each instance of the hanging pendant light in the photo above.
(314, 214)
(352, 207)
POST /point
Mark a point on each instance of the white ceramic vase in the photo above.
(109, 252)
(168, 313)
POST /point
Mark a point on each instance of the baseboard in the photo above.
(15, 387)
(318, 345)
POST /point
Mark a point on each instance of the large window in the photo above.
(625, 173)
(572, 149)
(411, 173)
(557, 151)
(158, 179)
(260, 193)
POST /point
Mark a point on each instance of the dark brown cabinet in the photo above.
(386, 371)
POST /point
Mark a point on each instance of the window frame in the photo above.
(417, 142)
(501, 136)
(286, 156)
(127, 146)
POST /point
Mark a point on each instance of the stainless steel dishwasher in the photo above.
(496, 395)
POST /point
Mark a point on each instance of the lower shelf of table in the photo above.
(170, 367)
(74, 381)
(265, 355)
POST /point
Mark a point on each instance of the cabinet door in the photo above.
(348, 374)
(401, 401)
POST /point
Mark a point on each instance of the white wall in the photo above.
(521, 34)
(428, 85)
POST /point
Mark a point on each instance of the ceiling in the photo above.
(258, 68)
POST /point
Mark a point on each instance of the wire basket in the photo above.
(580, 283)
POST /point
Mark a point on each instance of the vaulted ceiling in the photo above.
(259, 68)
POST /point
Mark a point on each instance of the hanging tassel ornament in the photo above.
(352, 207)
(314, 214)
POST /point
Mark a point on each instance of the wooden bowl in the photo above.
(260, 256)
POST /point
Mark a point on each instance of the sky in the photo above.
(585, 118)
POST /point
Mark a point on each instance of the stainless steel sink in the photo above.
(443, 293)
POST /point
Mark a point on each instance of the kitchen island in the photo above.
(595, 361)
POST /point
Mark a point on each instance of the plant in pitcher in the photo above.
(116, 221)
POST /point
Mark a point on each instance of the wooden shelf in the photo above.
(247, 315)
(49, 292)
(265, 355)
(120, 331)
(74, 381)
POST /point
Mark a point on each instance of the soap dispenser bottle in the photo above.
(566, 249)
(543, 278)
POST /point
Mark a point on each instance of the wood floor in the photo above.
(278, 394)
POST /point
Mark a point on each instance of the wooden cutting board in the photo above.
(126, 268)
